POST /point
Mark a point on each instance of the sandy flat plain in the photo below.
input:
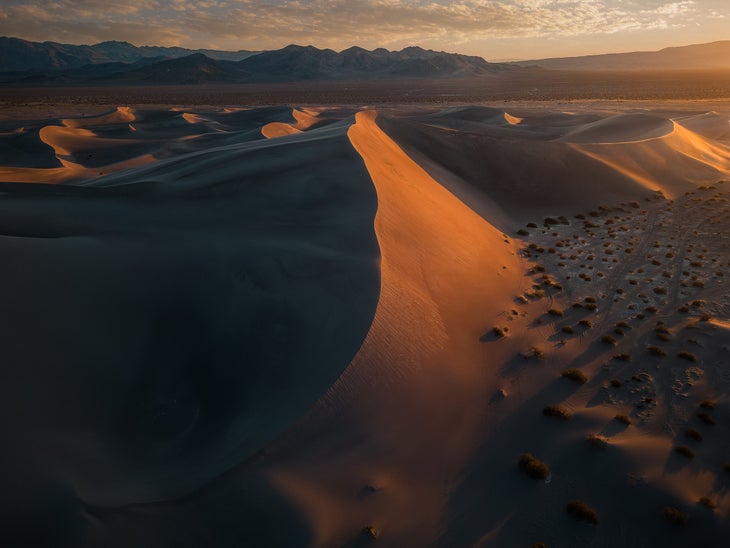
(346, 325)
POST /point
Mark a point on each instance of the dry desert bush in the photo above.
(581, 511)
(675, 515)
(533, 467)
(557, 411)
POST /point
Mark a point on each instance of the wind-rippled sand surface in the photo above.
(338, 326)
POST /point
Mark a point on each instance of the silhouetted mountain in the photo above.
(22, 55)
(308, 63)
(289, 64)
(192, 69)
(714, 55)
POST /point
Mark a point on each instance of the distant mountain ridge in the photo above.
(122, 63)
(712, 55)
(17, 54)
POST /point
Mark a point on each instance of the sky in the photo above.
(495, 30)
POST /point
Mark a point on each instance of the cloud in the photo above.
(338, 23)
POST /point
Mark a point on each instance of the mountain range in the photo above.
(713, 55)
(109, 63)
(49, 63)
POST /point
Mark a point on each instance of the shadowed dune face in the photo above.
(291, 326)
(167, 322)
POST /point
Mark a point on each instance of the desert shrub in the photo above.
(498, 332)
(623, 325)
(685, 451)
(707, 501)
(591, 306)
(534, 352)
(581, 511)
(687, 356)
(656, 351)
(675, 515)
(585, 323)
(522, 232)
(652, 309)
(663, 337)
(707, 404)
(597, 441)
(555, 312)
(693, 434)
(591, 300)
(623, 419)
(567, 329)
(370, 531)
(539, 545)
(615, 383)
(683, 309)
(660, 290)
(608, 339)
(557, 411)
(706, 418)
(623, 357)
(575, 375)
(533, 467)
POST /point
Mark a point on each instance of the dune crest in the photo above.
(443, 270)
(303, 119)
(118, 116)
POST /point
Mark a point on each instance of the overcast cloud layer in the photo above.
(493, 29)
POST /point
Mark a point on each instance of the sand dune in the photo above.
(295, 326)
(443, 269)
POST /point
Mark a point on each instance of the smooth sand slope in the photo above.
(442, 269)
(165, 323)
(322, 327)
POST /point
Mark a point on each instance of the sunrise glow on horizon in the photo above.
(495, 30)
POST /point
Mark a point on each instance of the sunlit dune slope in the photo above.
(511, 172)
(419, 371)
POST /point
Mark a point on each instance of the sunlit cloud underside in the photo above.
(513, 28)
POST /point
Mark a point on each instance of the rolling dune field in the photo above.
(347, 326)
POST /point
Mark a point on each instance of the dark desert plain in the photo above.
(454, 312)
